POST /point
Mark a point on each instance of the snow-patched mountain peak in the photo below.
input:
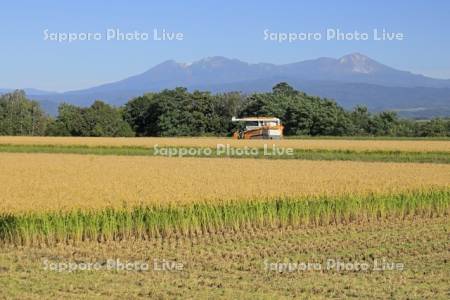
(359, 63)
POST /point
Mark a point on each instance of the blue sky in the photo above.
(231, 28)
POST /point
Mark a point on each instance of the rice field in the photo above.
(48, 198)
(314, 144)
(231, 265)
(44, 182)
(155, 221)
(92, 199)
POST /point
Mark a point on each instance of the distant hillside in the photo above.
(352, 79)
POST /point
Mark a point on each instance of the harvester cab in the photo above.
(258, 128)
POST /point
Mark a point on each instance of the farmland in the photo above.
(65, 181)
(416, 151)
(418, 145)
(230, 265)
(225, 218)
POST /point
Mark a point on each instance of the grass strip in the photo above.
(305, 154)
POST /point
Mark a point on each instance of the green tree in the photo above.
(100, 119)
(360, 118)
(434, 127)
(142, 115)
(284, 89)
(21, 116)
(383, 123)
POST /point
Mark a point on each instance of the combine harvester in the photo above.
(259, 128)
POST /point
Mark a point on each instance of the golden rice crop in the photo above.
(45, 182)
(328, 144)
(52, 198)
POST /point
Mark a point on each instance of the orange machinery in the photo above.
(259, 128)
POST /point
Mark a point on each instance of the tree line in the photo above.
(178, 112)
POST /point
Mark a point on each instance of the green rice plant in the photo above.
(157, 221)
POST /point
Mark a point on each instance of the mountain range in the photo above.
(351, 80)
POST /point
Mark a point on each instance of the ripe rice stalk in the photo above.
(55, 182)
(139, 222)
